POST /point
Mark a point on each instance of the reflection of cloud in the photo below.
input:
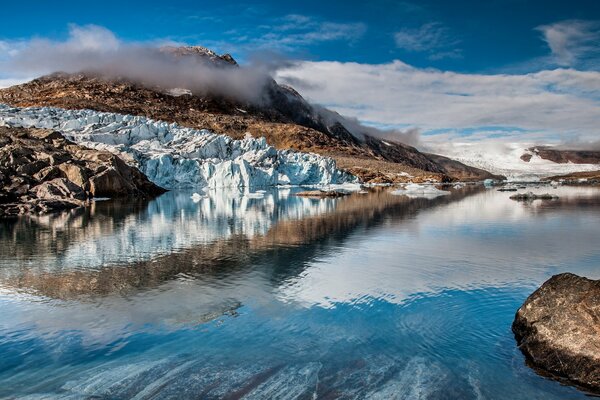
(480, 241)
(240, 264)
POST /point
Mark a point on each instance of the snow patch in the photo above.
(176, 92)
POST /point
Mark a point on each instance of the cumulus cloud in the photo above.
(572, 41)
(550, 105)
(432, 38)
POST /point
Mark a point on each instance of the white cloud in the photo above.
(562, 103)
(293, 32)
(572, 40)
(4, 83)
(432, 38)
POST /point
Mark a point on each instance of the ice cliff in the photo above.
(173, 156)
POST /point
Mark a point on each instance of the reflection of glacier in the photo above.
(172, 222)
(173, 156)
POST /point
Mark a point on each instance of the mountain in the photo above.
(175, 157)
(560, 156)
(283, 117)
(519, 161)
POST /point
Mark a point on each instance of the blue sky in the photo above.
(466, 36)
(511, 68)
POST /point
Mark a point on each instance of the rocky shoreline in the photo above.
(558, 330)
(41, 171)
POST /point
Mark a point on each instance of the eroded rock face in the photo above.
(558, 329)
(41, 171)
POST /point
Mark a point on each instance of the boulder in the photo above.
(109, 183)
(530, 196)
(75, 173)
(57, 189)
(558, 329)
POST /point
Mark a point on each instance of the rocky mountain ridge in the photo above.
(284, 118)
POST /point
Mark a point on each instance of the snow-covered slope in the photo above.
(505, 159)
(173, 156)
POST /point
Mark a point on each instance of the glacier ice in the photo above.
(173, 156)
(505, 159)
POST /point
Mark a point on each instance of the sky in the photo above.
(509, 70)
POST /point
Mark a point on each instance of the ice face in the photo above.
(173, 156)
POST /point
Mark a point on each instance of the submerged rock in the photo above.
(558, 329)
(530, 196)
(323, 193)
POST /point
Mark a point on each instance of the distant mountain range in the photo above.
(285, 119)
(561, 156)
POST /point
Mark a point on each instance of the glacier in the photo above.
(505, 159)
(173, 156)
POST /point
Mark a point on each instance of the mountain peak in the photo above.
(199, 51)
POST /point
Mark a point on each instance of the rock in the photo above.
(41, 171)
(74, 173)
(48, 173)
(530, 196)
(109, 184)
(58, 189)
(558, 329)
(323, 193)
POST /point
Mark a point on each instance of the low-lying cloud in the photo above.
(548, 106)
(97, 50)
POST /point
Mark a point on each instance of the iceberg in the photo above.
(173, 156)
(415, 190)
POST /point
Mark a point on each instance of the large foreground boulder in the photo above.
(558, 329)
(41, 171)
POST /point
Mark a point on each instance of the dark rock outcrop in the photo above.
(558, 329)
(41, 171)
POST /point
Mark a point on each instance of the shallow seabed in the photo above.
(277, 296)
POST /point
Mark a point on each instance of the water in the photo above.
(370, 296)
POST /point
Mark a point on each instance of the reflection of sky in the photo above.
(482, 240)
(485, 239)
(416, 304)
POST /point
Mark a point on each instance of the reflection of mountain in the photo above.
(172, 237)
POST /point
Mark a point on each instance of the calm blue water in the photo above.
(370, 296)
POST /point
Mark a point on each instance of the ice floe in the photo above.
(416, 190)
(173, 156)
